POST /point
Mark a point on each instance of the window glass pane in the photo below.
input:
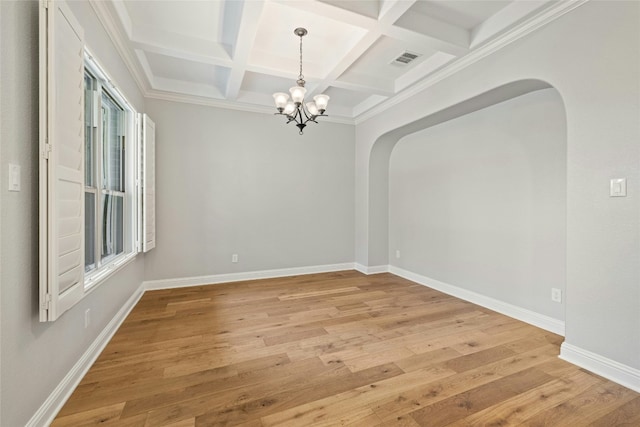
(112, 145)
(89, 231)
(89, 133)
(112, 224)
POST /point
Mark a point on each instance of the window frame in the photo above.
(105, 267)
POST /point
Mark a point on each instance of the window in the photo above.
(109, 175)
(105, 175)
(90, 168)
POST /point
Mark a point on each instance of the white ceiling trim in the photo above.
(375, 104)
(248, 28)
(549, 14)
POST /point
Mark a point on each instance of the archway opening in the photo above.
(475, 196)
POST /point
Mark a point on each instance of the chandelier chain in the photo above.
(301, 77)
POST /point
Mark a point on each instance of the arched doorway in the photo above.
(517, 265)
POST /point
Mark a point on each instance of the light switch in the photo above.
(14, 177)
(618, 187)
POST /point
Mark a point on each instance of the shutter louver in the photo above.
(62, 160)
(148, 184)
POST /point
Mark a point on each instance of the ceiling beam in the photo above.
(251, 12)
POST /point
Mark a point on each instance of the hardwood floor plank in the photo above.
(401, 421)
(334, 349)
(330, 383)
(193, 401)
(593, 405)
(626, 415)
(470, 402)
(99, 415)
(418, 397)
(369, 360)
(335, 409)
(480, 358)
(515, 410)
(423, 360)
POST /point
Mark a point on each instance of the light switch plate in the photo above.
(618, 187)
(14, 177)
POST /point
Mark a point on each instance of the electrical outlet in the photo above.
(234, 258)
(397, 253)
(14, 177)
(556, 295)
(87, 317)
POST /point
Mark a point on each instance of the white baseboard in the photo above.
(50, 408)
(371, 270)
(237, 277)
(605, 367)
(545, 322)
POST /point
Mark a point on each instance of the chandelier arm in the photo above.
(308, 116)
(299, 119)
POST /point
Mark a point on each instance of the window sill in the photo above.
(92, 280)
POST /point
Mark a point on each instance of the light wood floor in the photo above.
(335, 349)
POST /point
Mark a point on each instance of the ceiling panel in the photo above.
(379, 60)
(199, 19)
(466, 14)
(370, 8)
(188, 71)
(258, 82)
(277, 47)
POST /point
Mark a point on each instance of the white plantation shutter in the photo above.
(61, 160)
(148, 184)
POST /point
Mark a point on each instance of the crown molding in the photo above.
(230, 105)
(114, 32)
(546, 16)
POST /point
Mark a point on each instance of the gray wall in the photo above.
(236, 182)
(595, 69)
(36, 356)
(479, 202)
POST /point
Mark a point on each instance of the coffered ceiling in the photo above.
(235, 53)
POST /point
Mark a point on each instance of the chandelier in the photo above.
(295, 108)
